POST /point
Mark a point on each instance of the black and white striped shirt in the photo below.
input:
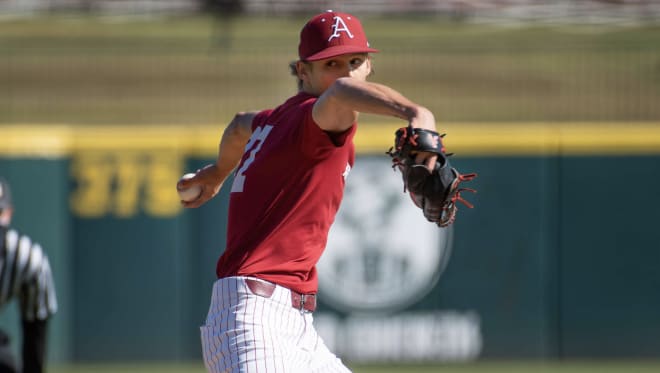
(25, 273)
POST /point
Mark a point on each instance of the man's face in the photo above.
(318, 75)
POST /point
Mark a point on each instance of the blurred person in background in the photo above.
(224, 14)
(25, 275)
(291, 166)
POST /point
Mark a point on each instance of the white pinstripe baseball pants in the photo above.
(247, 333)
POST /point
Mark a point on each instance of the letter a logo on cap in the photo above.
(338, 27)
(332, 34)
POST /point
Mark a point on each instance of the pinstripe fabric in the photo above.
(247, 333)
(25, 273)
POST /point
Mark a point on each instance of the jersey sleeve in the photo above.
(260, 118)
(37, 294)
(26, 274)
(316, 141)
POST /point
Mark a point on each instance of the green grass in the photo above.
(482, 367)
(75, 69)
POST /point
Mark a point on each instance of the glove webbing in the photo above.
(457, 191)
(449, 210)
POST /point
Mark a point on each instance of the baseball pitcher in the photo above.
(289, 167)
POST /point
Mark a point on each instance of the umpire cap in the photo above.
(5, 194)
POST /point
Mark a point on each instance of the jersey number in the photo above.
(253, 146)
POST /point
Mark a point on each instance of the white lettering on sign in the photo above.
(441, 336)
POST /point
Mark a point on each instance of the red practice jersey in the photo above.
(286, 192)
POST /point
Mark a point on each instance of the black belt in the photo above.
(301, 302)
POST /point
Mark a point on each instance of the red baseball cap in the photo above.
(331, 34)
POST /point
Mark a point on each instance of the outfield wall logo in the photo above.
(382, 254)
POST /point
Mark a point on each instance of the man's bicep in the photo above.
(243, 122)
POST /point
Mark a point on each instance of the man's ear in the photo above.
(302, 68)
(369, 65)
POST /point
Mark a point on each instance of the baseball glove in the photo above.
(437, 192)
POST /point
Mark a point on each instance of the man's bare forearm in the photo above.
(348, 96)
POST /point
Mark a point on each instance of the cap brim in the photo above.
(338, 51)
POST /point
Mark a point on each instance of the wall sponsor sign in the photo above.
(124, 184)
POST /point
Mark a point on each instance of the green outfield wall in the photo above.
(557, 260)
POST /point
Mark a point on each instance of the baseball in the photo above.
(191, 193)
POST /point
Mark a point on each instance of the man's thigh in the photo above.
(247, 332)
